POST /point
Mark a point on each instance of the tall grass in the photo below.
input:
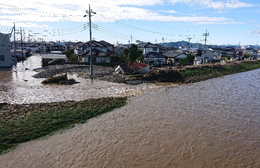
(200, 73)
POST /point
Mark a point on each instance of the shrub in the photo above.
(183, 61)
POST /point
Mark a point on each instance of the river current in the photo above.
(214, 123)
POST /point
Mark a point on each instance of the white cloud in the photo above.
(255, 33)
(217, 4)
(36, 11)
(169, 11)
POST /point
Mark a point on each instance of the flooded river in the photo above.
(18, 86)
(214, 123)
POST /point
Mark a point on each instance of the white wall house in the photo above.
(148, 50)
(5, 54)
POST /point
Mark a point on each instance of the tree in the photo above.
(125, 52)
(70, 55)
(133, 53)
(183, 61)
(48, 49)
(190, 59)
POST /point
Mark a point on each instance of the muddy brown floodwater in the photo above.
(17, 86)
(214, 123)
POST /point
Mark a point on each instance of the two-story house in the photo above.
(152, 55)
(101, 52)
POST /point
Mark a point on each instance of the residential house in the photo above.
(101, 53)
(120, 48)
(173, 56)
(5, 55)
(78, 48)
(156, 59)
(97, 56)
(152, 55)
(229, 52)
(255, 54)
(217, 54)
(148, 47)
(202, 55)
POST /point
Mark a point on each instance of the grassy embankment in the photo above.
(200, 73)
(22, 123)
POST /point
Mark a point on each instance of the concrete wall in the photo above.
(5, 55)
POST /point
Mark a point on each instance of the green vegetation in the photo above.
(191, 74)
(190, 59)
(183, 61)
(134, 53)
(70, 55)
(22, 123)
(48, 50)
(247, 55)
(200, 73)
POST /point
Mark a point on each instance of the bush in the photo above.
(183, 61)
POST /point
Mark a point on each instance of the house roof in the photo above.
(95, 52)
(173, 53)
(132, 68)
(154, 55)
(106, 43)
(147, 45)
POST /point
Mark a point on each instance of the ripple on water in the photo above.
(214, 123)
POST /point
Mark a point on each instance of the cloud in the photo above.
(168, 11)
(108, 11)
(218, 5)
(256, 33)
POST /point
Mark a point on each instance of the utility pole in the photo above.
(90, 36)
(15, 46)
(163, 41)
(189, 38)
(205, 34)
(21, 40)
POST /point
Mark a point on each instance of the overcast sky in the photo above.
(226, 21)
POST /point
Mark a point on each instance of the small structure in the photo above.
(5, 54)
(132, 68)
(55, 55)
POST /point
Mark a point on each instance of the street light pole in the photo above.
(90, 36)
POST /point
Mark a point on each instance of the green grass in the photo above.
(207, 72)
(38, 120)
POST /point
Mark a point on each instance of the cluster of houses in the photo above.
(156, 55)
(103, 52)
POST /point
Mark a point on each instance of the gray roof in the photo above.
(147, 45)
(154, 55)
(95, 52)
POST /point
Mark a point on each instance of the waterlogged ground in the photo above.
(214, 123)
(17, 86)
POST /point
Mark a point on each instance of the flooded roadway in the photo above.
(17, 86)
(214, 123)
